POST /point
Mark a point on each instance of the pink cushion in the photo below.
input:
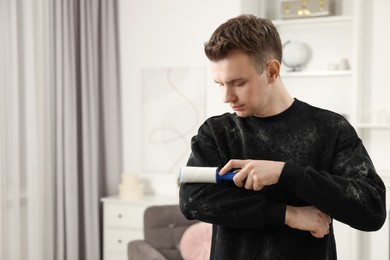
(195, 243)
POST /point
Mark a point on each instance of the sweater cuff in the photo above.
(275, 215)
(292, 176)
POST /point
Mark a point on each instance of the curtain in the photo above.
(60, 126)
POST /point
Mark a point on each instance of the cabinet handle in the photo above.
(119, 215)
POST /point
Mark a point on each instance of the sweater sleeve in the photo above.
(224, 204)
(351, 192)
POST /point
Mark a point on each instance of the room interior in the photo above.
(359, 93)
(156, 76)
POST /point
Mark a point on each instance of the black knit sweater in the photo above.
(326, 166)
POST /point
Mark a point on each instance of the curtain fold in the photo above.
(60, 126)
(12, 191)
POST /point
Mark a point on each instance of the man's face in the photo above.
(243, 88)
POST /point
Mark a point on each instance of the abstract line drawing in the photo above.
(173, 107)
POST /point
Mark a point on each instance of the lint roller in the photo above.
(191, 174)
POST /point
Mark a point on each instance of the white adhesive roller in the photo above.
(191, 174)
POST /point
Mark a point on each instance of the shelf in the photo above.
(319, 73)
(313, 20)
(373, 126)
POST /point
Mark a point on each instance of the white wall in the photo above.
(169, 33)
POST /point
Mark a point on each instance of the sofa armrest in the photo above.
(141, 250)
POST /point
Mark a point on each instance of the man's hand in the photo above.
(309, 219)
(254, 174)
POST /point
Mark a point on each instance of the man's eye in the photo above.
(240, 84)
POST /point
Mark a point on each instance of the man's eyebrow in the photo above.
(233, 81)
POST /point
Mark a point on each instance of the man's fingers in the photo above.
(240, 179)
(317, 234)
(320, 233)
(256, 185)
(230, 165)
(248, 182)
(323, 225)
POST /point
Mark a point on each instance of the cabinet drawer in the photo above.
(116, 240)
(115, 257)
(130, 216)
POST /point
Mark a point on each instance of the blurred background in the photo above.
(99, 100)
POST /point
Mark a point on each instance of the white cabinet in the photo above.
(123, 222)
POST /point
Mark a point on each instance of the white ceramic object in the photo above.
(296, 55)
(343, 65)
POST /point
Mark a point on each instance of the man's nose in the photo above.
(228, 95)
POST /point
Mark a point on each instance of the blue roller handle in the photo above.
(226, 177)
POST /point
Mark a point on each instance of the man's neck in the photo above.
(280, 100)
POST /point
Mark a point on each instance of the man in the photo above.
(298, 166)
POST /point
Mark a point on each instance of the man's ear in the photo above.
(273, 71)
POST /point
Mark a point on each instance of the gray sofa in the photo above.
(163, 229)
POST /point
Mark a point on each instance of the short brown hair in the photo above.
(255, 36)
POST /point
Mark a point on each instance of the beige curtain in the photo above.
(60, 126)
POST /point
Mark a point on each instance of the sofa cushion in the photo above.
(195, 243)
